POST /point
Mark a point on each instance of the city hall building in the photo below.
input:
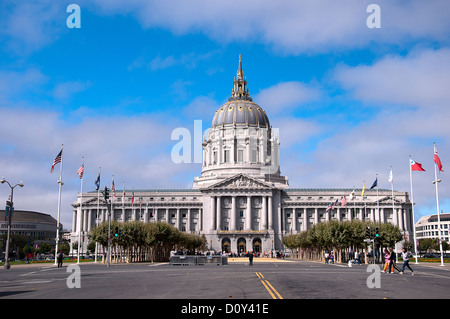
(241, 201)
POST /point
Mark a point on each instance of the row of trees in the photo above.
(341, 237)
(139, 241)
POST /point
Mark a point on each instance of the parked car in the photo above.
(431, 256)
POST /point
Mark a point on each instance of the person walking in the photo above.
(386, 260)
(250, 258)
(60, 259)
(392, 262)
(405, 256)
(356, 257)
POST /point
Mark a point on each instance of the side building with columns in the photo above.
(240, 201)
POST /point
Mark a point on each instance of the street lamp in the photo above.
(11, 208)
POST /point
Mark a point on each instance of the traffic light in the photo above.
(106, 193)
(116, 231)
(377, 232)
(368, 232)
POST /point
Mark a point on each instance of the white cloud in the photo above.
(306, 26)
(419, 79)
(64, 91)
(286, 96)
(29, 25)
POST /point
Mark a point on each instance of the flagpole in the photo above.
(391, 177)
(98, 208)
(81, 215)
(412, 205)
(378, 202)
(60, 182)
(436, 181)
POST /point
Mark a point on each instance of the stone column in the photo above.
(316, 216)
(270, 208)
(233, 213)
(400, 222)
(213, 213)
(248, 213)
(188, 222)
(264, 213)
(305, 219)
(219, 214)
(74, 220)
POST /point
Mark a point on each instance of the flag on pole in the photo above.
(334, 204)
(391, 177)
(344, 201)
(437, 160)
(363, 190)
(416, 166)
(56, 160)
(375, 183)
(132, 198)
(97, 182)
(330, 206)
(352, 195)
(113, 189)
(81, 171)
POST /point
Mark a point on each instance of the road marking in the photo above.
(272, 291)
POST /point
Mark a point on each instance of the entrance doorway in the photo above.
(241, 245)
(226, 245)
(257, 246)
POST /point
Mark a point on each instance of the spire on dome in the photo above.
(240, 90)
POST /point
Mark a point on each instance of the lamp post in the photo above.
(11, 208)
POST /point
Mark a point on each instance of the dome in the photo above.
(240, 110)
(240, 113)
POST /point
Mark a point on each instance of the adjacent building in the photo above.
(428, 227)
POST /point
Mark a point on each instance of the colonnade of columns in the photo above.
(301, 218)
(265, 216)
(86, 219)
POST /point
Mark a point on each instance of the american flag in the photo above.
(81, 171)
(56, 160)
(113, 189)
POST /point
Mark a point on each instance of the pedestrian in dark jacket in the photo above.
(60, 258)
(392, 262)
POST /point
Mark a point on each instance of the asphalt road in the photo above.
(288, 280)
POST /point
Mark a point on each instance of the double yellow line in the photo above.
(272, 291)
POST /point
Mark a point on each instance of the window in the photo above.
(254, 156)
(226, 156)
(240, 158)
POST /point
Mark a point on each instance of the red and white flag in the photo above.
(344, 201)
(81, 171)
(57, 160)
(437, 160)
(416, 166)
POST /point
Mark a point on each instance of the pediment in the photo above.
(240, 181)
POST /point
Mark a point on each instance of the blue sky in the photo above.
(349, 101)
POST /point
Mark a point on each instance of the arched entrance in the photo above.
(241, 245)
(226, 245)
(257, 246)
